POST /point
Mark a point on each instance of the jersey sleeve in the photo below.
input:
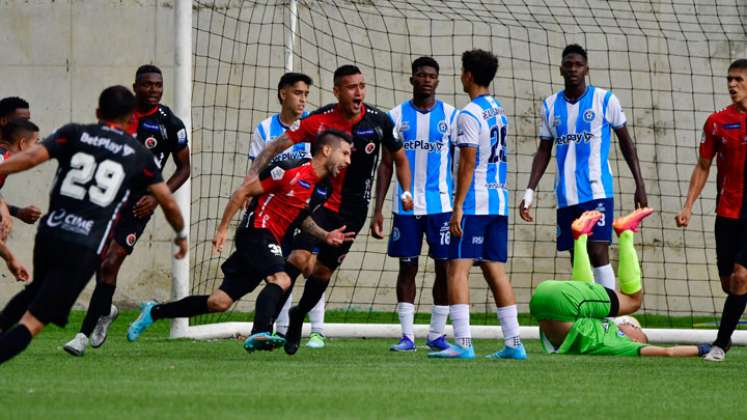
(709, 141)
(468, 130)
(57, 143)
(305, 130)
(615, 115)
(544, 131)
(177, 134)
(391, 139)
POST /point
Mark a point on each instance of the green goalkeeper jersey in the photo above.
(596, 337)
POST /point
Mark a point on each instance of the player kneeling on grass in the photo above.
(282, 195)
(574, 315)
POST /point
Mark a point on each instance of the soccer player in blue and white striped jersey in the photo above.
(293, 91)
(425, 126)
(479, 219)
(579, 120)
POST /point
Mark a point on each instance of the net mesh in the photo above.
(666, 61)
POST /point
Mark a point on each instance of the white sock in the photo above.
(460, 321)
(508, 316)
(605, 276)
(406, 313)
(316, 316)
(281, 323)
(439, 315)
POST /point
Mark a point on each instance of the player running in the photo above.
(163, 134)
(351, 190)
(725, 135)
(425, 125)
(479, 220)
(293, 91)
(99, 165)
(574, 315)
(282, 196)
(579, 120)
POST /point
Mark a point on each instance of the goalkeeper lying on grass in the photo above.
(573, 315)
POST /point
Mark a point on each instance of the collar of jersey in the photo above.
(355, 120)
(435, 104)
(586, 92)
(145, 114)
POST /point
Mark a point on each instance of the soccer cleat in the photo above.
(316, 341)
(438, 344)
(632, 221)
(77, 346)
(295, 327)
(585, 223)
(263, 341)
(717, 354)
(98, 336)
(455, 351)
(142, 322)
(405, 344)
(508, 352)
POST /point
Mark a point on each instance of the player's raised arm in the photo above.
(631, 158)
(251, 187)
(383, 179)
(264, 157)
(163, 196)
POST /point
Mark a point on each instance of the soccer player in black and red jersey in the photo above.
(725, 136)
(99, 165)
(163, 134)
(370, 128)
(282, 193)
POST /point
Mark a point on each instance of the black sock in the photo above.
(185, 308)
(733, 310)
(13, 342)
(312, 292)
(15, 308)
(100, 305)
(267, 303)
(293, 273)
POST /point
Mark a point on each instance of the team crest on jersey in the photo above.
(295, 125)
(443, 127)
(370, 147)
(151, 142)
(589, 115)
(395, 234)
(277, 173)
(131, 239)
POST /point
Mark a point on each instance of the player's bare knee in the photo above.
(280, 279)
(302, 261)
(219, 302)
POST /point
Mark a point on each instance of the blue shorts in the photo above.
(602, 231)
(484, 238)
(406, 239)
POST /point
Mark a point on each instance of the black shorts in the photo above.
(731, 244)
(331, 256)
(257, 256)
(129, 228)
(61, 272)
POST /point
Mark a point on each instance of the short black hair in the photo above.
(740, 64)
(329, 136)
(17, 126)
(145, 69)
(10, 104)
(425, 62)
(345, 70)
(575, 49)
(116, 102)
(291, 78)
(481, 64)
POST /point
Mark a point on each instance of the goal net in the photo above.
(666, 61)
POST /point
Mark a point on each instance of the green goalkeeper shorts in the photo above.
(568, 301)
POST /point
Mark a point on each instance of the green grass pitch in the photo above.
(161, 378)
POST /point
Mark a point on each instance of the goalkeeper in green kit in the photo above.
(574, 316)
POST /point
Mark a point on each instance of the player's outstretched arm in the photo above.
(675, 351)
(467, 159)
(697, 182)
(250, 188)
(404, 177)
(173, 215)
(24, 160)
(631, 158)
(539, 166)
(264, 157)
(383, 179)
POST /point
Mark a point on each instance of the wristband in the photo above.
(405, 195)
(182, 234)
(528, 198)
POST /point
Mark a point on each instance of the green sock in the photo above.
(581, 263)
(628, 269)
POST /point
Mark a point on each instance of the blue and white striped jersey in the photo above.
(482, 124)
(582, 131)
(271, 128)
(426, 137)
